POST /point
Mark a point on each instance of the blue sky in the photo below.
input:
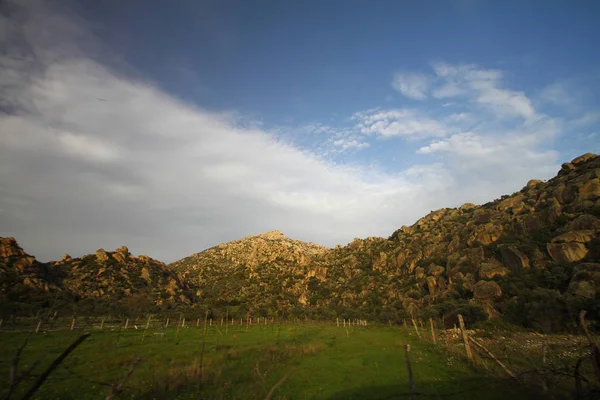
(289, 64)
(326, 120)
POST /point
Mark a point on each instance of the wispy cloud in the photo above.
(484, 88)
(411, 85)
(398, 122)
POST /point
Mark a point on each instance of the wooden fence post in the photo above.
(102, 323)
(73, 324)
(411, 381)
(205, 318)
(432, 331)
(465, 337)
(37, 328)
(126, 323)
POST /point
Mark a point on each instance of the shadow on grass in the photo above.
(477, 388)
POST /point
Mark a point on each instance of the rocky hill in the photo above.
(99, 282)
(266, 270)
(531, 258)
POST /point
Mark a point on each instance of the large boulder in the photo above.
(582, 159)
(533, 182)
(575, 236)
(514, 259)
(567, 252)
(102, 255)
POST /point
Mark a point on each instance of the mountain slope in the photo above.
(268, 270)
(535, 248)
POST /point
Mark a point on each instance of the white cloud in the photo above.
(398, 122)
(91, 157)
(483, 87)
(350, 143)
(411, 85)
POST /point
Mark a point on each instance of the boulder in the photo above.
(582, 159)
(485, 234)
(123, 250)
(575, 236)
(431, 285)
(492, 268)
(567, 252)
(102, 255)
(435, 270)
(514, 202)
(565, 168)
(513, 258)
(584, 222)
(589, 190)
(467, 206)
(9, 248)
(533, 182)
(486, 290)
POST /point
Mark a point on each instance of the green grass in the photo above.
(327, 362)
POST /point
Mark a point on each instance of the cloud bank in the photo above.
(92, 156)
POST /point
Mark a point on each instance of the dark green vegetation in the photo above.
(326, 362)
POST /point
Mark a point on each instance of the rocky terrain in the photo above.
(531, 258)
(267, 271)
(99, 282)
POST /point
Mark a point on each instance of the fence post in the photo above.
(465, 337)
(37, 328)
(73, 324)
(102, 323)
(411, 381)
(432, 331)
(204, 328)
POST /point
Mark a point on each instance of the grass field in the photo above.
(321, 361)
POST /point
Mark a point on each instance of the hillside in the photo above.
(267, 271)
(531, 258)
(96, 283)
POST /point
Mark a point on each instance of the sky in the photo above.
(171, 127)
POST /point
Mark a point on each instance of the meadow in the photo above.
(287, 361)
